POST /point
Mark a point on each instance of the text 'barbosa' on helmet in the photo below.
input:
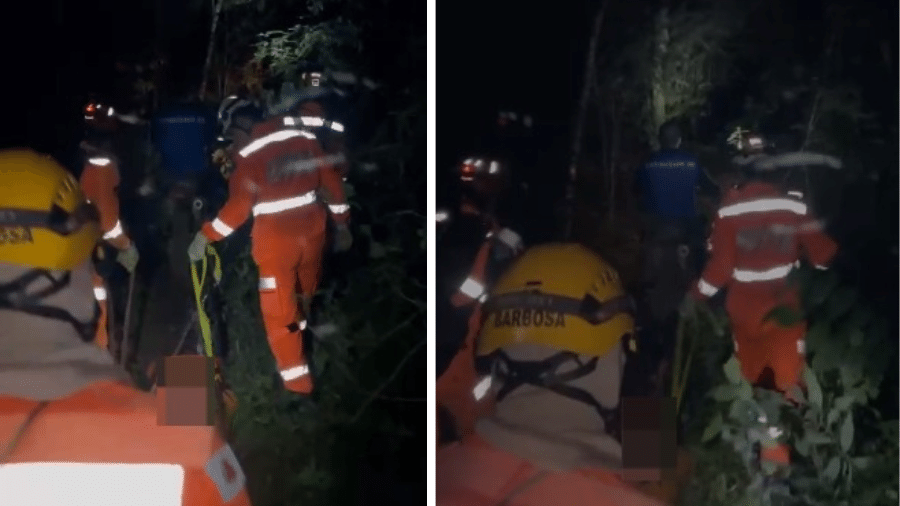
(45, 220)
(563, 296)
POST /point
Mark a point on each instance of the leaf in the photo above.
(816, 438)
(832, 417)
(843, 402)
(745, 391)
(785, 316)
(724, 393)
(768, 467)
(856, 337)
(841, 301)
(812, 387)
(832, 469)
(802, 445)
(850, 376)
(713, 429)
(847, 433)
(732, 370)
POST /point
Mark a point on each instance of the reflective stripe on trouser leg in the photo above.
(101, 337)
(280, 317)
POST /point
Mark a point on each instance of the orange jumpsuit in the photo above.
(474, 473)
(277, 177)
(99, 182)
(459, 390)
(758, 236)
(104, 443)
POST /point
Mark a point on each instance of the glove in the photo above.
(344, 239)
(688, 307)
(198, 247)
(128, 258)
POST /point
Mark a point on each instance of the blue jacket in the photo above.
(668, 182)
(183, 134)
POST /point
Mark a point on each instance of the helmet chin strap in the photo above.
(543, 374)
(13, 297)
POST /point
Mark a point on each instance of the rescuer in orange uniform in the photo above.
(100, 182)
(759, 235)
(553, 350)
(499, 246)
(71, 423)
(279, 177)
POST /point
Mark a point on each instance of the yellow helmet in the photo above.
(45, 220)
(559, 295)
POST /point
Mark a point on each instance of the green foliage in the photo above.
(845, 453)
(329, 42)
(673, 63)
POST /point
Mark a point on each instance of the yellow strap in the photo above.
(205, 329)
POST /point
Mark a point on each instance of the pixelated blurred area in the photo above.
(649, 438)
(185, 394)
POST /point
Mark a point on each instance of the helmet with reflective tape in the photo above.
(559, 295)
(99, 115)
(485, 175)
(45, 220)
(747, 141)
(237, 112)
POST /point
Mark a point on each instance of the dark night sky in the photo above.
(54, 57)
(506, 54)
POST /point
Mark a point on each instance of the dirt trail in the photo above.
(170, 302)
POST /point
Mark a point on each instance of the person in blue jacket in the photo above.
(668, 185)
(183, 134)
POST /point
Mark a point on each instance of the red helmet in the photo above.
(488, 176)
(99, 115)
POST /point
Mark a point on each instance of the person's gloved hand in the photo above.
(344, 239)
(198, 247)
(689, 306)
(128, 258)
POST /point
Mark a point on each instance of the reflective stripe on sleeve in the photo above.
(339, 208)
(115, 232)
(482, 388)
(99, 161)
(220, 227)
(294, 372)
(471, 288)
(706, 289)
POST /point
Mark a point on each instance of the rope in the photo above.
(222, 389)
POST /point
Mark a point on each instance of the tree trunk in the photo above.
(217, 10)
(616, 123)
(657, 94)
(582, 111)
